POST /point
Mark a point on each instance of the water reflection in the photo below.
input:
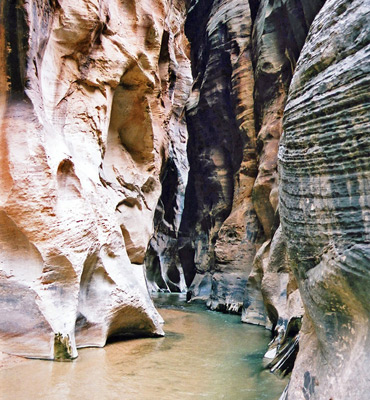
(205, 355)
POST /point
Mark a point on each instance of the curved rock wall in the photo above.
(97, 152)
(325, 203)
(241, 80)
(83, 157)
(163, 267)
(219, 228)
(279, 32)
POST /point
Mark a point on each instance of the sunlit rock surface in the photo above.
(324, 202)
(81, 159)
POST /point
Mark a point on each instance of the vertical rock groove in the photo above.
(163, 266)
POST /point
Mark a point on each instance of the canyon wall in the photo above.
(81, 160)
(219, 228)
(325, 202)
(272, 297)
(136, 144)
(163, 267)
(230, 240)
(243, 58)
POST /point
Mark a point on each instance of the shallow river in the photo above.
(205, 355)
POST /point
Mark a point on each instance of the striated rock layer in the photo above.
(219, 228)
(325, 203)
(279, 32)
(81, 159)
(241, 80)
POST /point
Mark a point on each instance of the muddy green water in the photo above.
(205, 355)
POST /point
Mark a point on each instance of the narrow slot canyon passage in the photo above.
(184, 199)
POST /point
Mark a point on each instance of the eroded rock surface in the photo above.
(241, 80)
(82, 160)
(97, 152)
(279, 32)
(324, 202)
(219, 228)
(272, 297)
(163, 266)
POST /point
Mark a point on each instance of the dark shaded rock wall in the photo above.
(219, 228)
(234, 118)
(231, 220)
(324, 202)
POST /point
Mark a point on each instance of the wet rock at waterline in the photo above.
(81, 159)
(324, 202)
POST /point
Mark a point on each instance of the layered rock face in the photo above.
(163, 267)
(97, 151)
(273, 295)
(234, 115)
(324, 202)
(81, 160)
(279, 32)
(219, 228)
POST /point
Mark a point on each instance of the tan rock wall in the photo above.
(279, 32)
(85, 155)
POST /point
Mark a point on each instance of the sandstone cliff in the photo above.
(81, 160)
(163, 267)
(324, 202)
(272, 297)
(243, 58)
(218, 238)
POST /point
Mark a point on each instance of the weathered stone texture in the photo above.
(231, 204)
(325, 203)
(279, 32)
(163, 266)
(272, 298)
(83, 160)
(219, 227)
